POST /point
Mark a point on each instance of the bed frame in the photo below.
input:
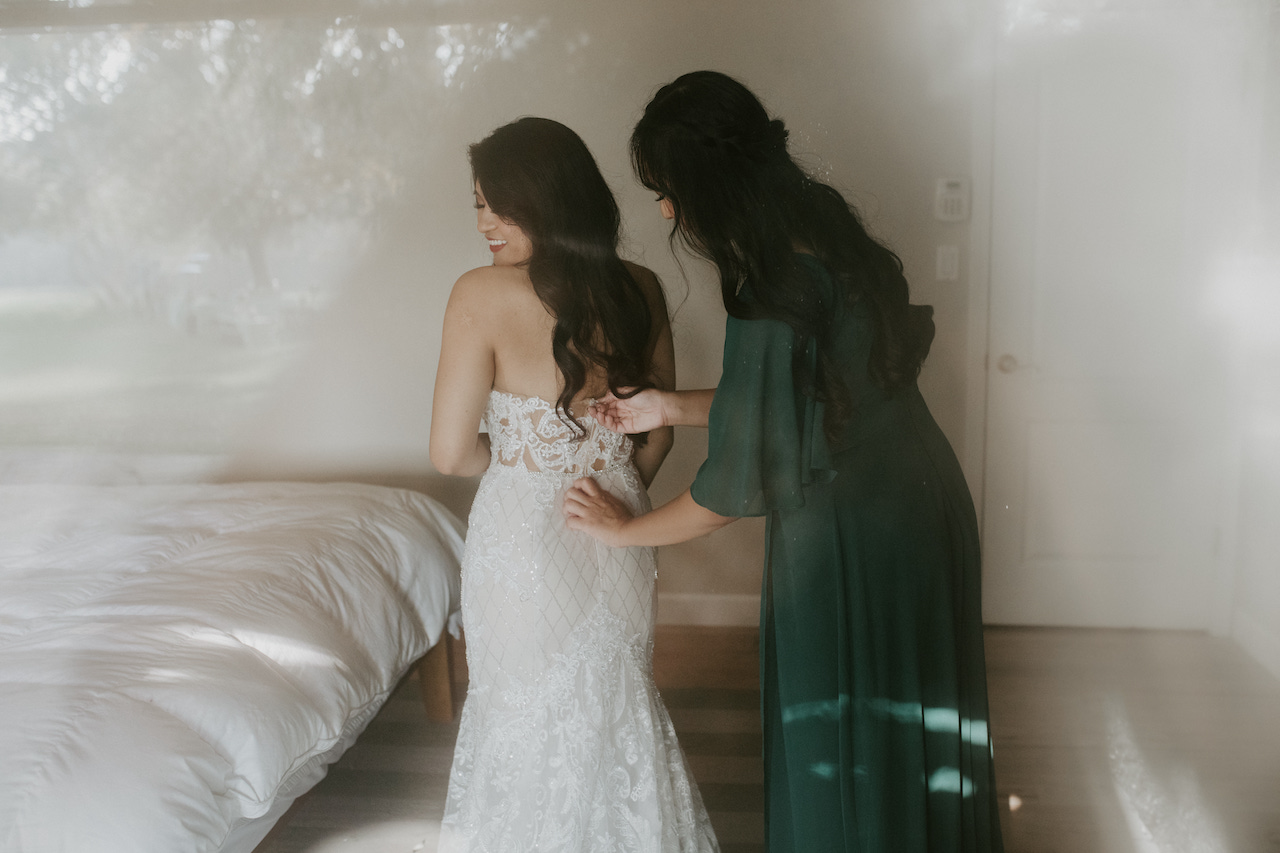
(441, 674)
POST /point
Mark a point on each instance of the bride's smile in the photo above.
(509, 244)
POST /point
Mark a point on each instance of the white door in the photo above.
(1104, 451)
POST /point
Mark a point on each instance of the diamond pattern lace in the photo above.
(564, 743)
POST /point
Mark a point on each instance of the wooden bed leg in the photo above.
(435, 677)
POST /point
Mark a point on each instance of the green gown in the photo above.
(873, 681)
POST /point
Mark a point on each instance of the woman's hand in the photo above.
(644, 412)
(591, 510)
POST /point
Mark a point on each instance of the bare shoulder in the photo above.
(649, 285)
(493, 285)
(643, 275)
(493, 290)
(486, 300)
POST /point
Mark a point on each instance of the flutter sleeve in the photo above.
(765, 437)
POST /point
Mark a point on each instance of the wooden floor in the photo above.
(1133, 742)
(1106, 742)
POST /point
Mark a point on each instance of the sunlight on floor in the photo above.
(1165, 811)
(399, 836)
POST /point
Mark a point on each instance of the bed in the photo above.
(179, 662)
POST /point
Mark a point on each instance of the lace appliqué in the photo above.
(527, 432)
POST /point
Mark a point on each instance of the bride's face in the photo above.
(510, 245)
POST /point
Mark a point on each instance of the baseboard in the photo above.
(1259, 640)
(727, 609)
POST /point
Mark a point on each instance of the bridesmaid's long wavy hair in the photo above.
(706, 143)
(539, 175)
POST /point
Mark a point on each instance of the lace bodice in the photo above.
(526, 432)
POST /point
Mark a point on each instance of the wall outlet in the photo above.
(951, 200)
(948, 263)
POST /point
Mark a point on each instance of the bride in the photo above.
(564, 743)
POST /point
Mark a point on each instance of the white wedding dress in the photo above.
(564, 743)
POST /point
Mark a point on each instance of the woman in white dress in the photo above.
(564, 743)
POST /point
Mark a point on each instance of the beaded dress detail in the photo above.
(564, 744)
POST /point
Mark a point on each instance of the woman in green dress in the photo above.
(873, 681)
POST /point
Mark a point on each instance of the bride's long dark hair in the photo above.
(539, 175)
(707, 144)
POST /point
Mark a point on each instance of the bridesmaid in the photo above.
(873, 678)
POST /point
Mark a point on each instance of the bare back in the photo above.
(497, 335)
(523, 362)
(523, 359)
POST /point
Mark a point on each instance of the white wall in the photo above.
(237, 238)
(876, 97)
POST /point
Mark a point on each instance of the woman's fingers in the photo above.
(607, 416)
(613, 419)
(606, 402)
(592, 510)
(580, 497)
(616, 413)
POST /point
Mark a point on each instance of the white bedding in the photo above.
(173, 657)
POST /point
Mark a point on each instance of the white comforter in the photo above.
(171, 656)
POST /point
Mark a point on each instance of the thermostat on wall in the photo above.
(951, 200)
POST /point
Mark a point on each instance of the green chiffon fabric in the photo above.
(873, 681)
